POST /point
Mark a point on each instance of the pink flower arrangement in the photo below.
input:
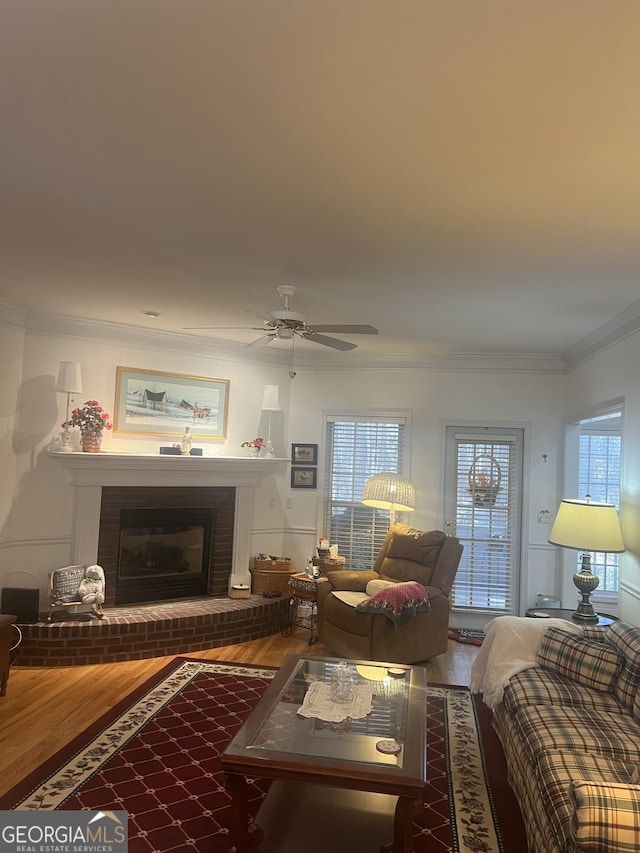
(257, 442)
(91, 419)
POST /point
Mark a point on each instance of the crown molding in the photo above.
(205, 347)
(621, 326)
(12, 315)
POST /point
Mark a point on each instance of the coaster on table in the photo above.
(388, 747)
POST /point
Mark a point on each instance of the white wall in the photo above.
(435, 399)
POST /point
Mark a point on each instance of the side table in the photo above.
(303, 588)
(6, 637)
(567, 614)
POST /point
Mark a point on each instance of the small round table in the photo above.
(567, 614)
(304, 588)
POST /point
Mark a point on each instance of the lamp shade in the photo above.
(587, 526)
(389, 491)
(270, 402)
(69, 377)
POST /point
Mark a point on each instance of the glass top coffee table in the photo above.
(380, 750)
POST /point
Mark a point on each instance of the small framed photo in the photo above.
(304, 478)
(304, 454)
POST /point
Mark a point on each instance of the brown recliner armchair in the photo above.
(432, 559)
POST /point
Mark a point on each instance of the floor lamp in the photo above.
(389, 491)
(69, 383)
(270, 404)
(587, 526)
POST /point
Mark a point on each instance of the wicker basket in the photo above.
(241, 590)
(283, 565)
(329, 564)
(271, 580)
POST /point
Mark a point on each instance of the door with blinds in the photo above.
(483, 499)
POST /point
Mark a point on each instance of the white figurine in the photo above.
(186, 442)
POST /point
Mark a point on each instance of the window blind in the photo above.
(487, 496)
(357, 449)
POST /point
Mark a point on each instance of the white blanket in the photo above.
(353, 599)
(510, 646)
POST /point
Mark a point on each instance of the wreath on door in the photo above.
(484, 481)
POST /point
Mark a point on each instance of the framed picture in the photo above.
(304, 454)
(304, 478)
(152, 403)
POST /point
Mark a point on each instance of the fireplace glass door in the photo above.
(164, 554)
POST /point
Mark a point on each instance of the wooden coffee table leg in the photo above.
(402, 835)
(241, 835)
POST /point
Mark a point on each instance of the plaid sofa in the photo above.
(570, 729)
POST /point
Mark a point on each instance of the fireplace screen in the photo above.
(163, 554)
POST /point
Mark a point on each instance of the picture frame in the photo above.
(304, 454)
(151, 402)
(304, 477)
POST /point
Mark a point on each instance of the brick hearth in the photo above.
(151, 630)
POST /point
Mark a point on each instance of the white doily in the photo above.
(318, 703)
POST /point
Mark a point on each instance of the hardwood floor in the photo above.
(44, 709)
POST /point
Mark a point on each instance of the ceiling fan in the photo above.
(284, 324)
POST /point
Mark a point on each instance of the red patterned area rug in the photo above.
(156, 756)
(463, 635)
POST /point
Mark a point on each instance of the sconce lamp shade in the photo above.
(389, 491)
(69, 377)
(270, 401)
(587, 526)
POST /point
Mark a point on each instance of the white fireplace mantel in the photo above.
(91, 471)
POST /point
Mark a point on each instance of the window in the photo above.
(599, 476)
(357, 449)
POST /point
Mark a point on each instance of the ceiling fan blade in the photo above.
(334, 343)
(235, 328)
(266, 317)
(262, 341)
(354, 329)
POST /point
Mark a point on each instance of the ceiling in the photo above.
(463, 175)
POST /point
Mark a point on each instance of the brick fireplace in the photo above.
(228, 481)
(119, 500)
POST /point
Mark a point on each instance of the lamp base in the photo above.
(585, 582)
(65, 447)
(267, 447)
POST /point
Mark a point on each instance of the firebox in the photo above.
(163, 553)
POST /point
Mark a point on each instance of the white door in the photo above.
(483, 499)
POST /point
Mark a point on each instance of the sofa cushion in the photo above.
(557, 769)
(353, 580)
(550, 727)
(595, 665)
(539, 686)
(626, 639)
(398, 602)
(402, 571)
(418, 547)
(606, 818)
(376, 585)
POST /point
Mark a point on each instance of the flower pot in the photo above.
(254, 451)
(91, 443)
